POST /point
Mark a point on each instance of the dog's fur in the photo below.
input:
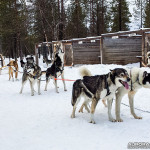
(56, 69)
(22, 63)
(32, 72)
(13, 67)
(140, 78)
(93, 88)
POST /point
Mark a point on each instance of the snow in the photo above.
(42, 122)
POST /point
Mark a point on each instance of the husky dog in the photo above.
(13, 67)
(139, 78)
(93, 88)
(56, 69)
(22, 63)
(32, 72)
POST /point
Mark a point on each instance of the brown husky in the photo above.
(13, 67)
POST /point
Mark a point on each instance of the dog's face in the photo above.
(146, 79)
(60, 53)
(12, 63)
(30, 60)
(120, 77)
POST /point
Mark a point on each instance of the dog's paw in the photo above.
(92, 121)
(137, 117)
(39, 93)
(45, 89)
(119, 120)
(72, 116)
(112, 120)
(65, 89)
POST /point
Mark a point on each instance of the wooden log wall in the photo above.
(122, 50)
(87, 52)
(68, 54)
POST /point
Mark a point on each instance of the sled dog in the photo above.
(13, 67)
(139, 78)
(31, 72)
(56, 70)
(93, 88)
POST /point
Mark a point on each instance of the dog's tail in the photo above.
(84, 72)
(77, 89)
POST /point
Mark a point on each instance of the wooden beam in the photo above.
(126, 32)
(36, 54)
(146, 49)
(147, 40)
(143, 64)
(101, 49)
(143, 47)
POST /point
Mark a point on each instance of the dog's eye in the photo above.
(122, 74)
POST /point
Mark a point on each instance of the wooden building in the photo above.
(111, 48)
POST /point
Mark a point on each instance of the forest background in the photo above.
(26, 22)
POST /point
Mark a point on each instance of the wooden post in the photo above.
(143, 47)
(146, 49)
(36, 54)
(101, 49)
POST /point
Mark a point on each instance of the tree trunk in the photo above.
(120, 17)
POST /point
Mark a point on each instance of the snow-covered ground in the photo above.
(42, 122)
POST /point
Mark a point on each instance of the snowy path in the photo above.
(42, 122)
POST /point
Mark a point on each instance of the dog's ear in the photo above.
(112, 76)
(112, 71)
(14, 63)
(145, 74)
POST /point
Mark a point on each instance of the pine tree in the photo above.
(99, 17)
(139, 13)
(12, 22)
(44, 21)
(76, 27)
(120, 16)
(147, 15)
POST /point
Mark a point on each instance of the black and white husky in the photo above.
(93, 88)
(31, 72)
(56, 70)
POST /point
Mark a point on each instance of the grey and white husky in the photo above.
(139, 78)
(31, 72)
(93, 88)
